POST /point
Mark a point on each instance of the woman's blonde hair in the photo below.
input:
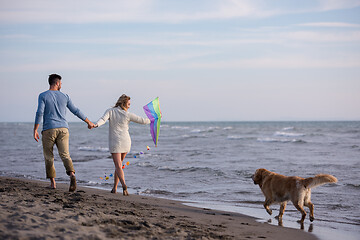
(122, 101)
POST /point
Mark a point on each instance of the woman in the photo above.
(119, 137)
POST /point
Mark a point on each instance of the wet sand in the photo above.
(31, 210)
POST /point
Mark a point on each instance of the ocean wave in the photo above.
(189, 193)
(93, 149)
(193, 136)
(288, 128)
(289, 134)
(180, 127)
(156, 192)
(249, 202)
(243, 192)
(316, 134)
(280, 140)
(86, 158)
(197, 131)
(352, 131)
(209, 129)
(243, 173)
(337, 206)
(91, 183)
(192, 169)
(186, 136)
(236, 137)
(172, 194)
(332, 220)
(351, 185)
(17, 175)
(145, 164)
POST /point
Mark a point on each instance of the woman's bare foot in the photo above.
(53, 183)
(125, 192)
(113, 190)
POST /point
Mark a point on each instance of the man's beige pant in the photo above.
(60, 137)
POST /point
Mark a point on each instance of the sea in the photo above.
(209, 165)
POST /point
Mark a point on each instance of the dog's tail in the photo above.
(319, 180)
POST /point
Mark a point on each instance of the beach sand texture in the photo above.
(31, 210)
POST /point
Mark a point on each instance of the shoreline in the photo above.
(30, 209)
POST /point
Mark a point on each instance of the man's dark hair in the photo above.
(53, 78)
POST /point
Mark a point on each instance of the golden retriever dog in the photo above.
(280, 189)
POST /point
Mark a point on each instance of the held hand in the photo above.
(91, 125)
(36, 136)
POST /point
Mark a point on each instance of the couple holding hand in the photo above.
(51, 109)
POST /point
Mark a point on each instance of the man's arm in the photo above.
(76, 111)
(36, 134)
(38, 117)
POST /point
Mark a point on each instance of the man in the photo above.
(52, 106)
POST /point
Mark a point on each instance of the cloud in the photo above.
(16, 36)
(281, 62)
(164, 41)
(241, 37)
(67, 11)
(322, 37)
(145, 11)
(328, 5)
(330, 24)
(79, 62)
(183, 61)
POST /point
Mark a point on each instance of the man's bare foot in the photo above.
(72, 183)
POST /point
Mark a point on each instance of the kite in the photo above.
(152, 110)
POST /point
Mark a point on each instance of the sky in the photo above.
(206, 60)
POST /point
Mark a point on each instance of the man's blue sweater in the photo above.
(52, 107)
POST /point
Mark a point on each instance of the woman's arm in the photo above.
(103, 119)
(138, 119)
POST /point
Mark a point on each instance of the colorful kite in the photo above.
(152, 110)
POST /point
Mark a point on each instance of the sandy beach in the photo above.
(31, 210)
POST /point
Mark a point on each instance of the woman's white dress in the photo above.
(119, 119)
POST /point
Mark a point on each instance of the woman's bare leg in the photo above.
(116, 182)
(125, 192)
(119, 173)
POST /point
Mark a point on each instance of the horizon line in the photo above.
(208, 121)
